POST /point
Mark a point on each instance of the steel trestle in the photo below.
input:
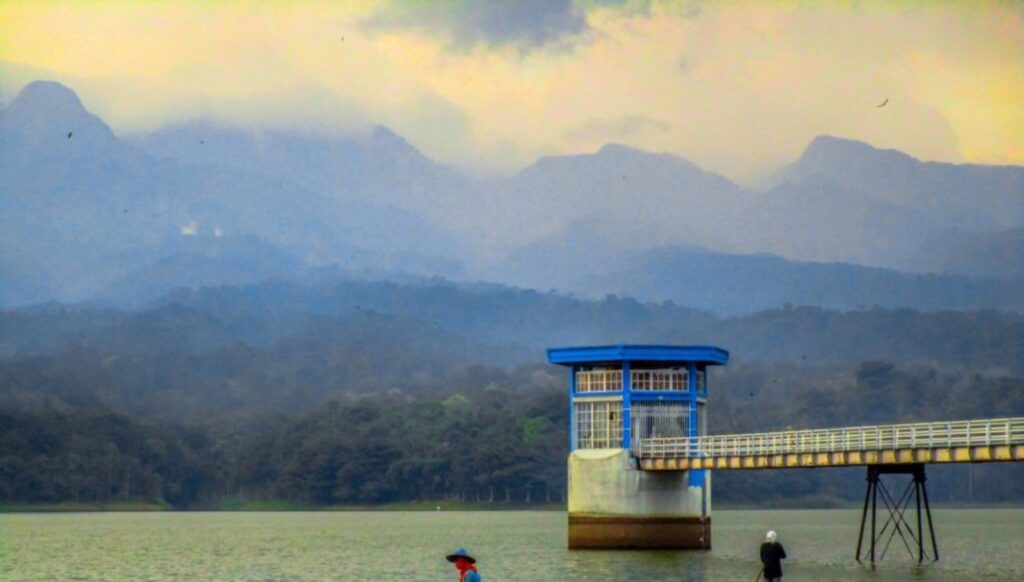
(897, 508)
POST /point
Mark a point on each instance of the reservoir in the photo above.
(510, 545)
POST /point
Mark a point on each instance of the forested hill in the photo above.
(506, 326)
(368, 392)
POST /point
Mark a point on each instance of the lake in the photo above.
(510, 545)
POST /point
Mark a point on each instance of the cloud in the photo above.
(435, 124)
(620, 128)
(522, 24)
(738, 87)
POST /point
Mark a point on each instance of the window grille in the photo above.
(659, 420)
(599, 381)
(702, 418)
(598, 425)
(665, 380)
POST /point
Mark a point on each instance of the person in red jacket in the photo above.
(464, 564)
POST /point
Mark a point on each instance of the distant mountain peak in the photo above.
(622, 151)
(832, 149)
(825, 141)
(850, 161)
(615, 161)
(618, 148)
(385, 138)
(385, 134)
(46, 95)
(47, 110)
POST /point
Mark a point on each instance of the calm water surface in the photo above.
(974, 545)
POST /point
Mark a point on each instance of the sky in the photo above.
(737, 87)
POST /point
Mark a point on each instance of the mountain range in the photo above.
(88, 215)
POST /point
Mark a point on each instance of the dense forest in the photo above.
(363, 393)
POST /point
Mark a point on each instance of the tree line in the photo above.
(362, 392)
(504, 441)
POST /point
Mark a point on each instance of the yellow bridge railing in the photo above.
(927, 435)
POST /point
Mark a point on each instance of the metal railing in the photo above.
(927, 435)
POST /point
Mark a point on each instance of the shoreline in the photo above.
(424, 506)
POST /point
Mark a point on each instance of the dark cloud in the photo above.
(526, 24)
(615, 129)
(683, 8)
(692, 9)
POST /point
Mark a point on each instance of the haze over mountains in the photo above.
(86, 214)
(328, 271)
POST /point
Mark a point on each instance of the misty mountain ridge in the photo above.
(982, 198)
(497, 326)
(203, 260)
(100, 215)
(726, 283)
(83, 211)
(978, 254)
(380, 160)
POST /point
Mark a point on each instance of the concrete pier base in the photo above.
(613, 504)
(609, 532)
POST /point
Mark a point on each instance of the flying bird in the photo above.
(882, 104)
(69, 134)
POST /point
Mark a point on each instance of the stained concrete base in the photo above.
(607, 532)
(613, 504)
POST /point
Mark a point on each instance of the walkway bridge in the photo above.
(902, 449)
(961, 441)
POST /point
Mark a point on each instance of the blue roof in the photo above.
(634, 353)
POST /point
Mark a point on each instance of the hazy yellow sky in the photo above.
(737, 87)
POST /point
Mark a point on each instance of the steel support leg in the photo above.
(920, 532)
(897, 509)
(863, 515)
(874, 507)
(928, 511)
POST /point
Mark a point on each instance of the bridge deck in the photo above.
(962, 441)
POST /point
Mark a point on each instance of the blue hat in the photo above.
(461, 553)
